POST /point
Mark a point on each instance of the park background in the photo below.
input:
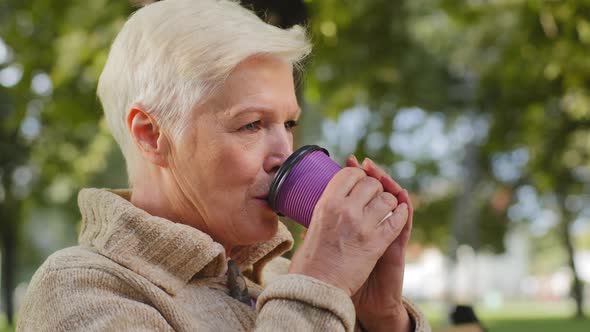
(481, 108)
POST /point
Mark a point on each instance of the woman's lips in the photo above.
(263, 200)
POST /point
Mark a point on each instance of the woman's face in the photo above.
(232, 149)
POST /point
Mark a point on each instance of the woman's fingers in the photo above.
(351, 161)
(405, 234)
(395, 224)
(404, 196)
(379, 206)
(365, 190)
(344, 181)
(389, 184)
(375, 171)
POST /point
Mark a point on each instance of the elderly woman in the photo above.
(199, 96)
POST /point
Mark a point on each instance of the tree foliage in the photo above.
(520, 66)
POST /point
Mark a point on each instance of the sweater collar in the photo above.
(166, 253)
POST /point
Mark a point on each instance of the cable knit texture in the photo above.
(136, 272)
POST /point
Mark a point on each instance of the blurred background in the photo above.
(481, 108)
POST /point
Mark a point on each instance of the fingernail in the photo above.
(354, 158)
(366, 162)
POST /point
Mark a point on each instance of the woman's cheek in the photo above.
(251, 140)
(240, 163)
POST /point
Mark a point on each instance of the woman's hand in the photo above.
(378, 302)
(346, 238)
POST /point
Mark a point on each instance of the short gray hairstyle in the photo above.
(171, 55)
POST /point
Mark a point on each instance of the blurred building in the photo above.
(487, 278)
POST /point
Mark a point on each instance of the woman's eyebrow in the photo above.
(234, 112)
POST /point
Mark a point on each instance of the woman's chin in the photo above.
(266, 227)
(260, 224)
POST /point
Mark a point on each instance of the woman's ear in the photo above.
(146, 134)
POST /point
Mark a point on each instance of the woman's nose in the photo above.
(280, 149)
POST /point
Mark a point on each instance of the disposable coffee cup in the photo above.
(300, 181)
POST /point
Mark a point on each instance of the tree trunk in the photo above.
(464, 227)
(577, 286)
(577, 291)
(7, 215)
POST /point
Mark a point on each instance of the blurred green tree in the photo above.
(530, 58)
(393, 55)
(50, 139)
(519, 67)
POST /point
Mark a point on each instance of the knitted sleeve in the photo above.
(420, 322)
(297, 302)
(293, 301)
(82, 299)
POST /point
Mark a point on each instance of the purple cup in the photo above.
(300, 181)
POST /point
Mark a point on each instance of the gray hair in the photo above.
(171, 55)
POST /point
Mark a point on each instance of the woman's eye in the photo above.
(291, 124)
(252, 126)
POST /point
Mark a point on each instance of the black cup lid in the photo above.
(286, 169)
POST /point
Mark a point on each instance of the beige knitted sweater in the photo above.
(136, 272)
